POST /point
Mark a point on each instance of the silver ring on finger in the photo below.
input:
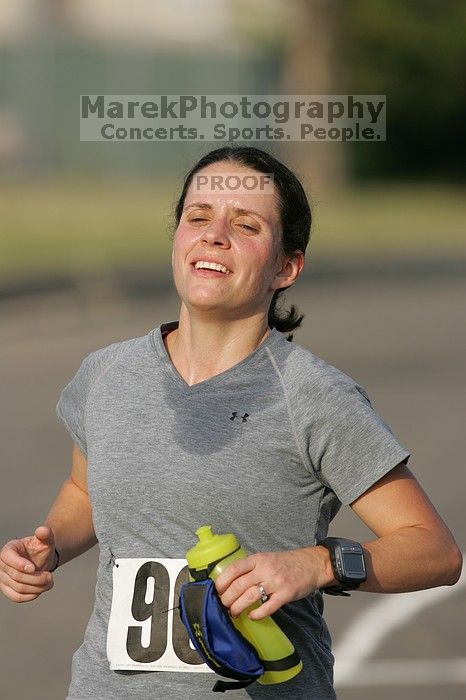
(263, 594)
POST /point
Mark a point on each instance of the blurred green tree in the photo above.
(414, 51)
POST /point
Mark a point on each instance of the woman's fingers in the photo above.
(250, 596)
(284, 576)
(20, 580)
(37, 578)
(31, 553)
(19, 591)
(14, 554)
(274, 603)
(16, 597)
(44, 538)
(232, 572)
(238, 586)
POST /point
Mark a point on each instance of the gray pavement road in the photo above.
(404, 341)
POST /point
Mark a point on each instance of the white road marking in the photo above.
(401, 672)
(366, 634)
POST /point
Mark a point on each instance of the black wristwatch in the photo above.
(57, 558)
(349, 567)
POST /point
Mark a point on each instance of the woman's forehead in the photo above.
(221, 186)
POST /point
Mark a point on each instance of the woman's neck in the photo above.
(202, 348)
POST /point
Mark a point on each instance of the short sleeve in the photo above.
(350, 446)
(71, 405)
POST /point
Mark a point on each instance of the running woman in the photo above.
(217, 418)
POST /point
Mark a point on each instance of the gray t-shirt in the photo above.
(268, 449)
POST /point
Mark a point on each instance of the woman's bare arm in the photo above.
(415, 549)
(25, 563)
(70, 516)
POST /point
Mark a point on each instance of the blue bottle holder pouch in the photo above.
(219, 643)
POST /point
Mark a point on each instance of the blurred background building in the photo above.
(51, 51)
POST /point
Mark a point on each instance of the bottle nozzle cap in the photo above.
(210, 547)
(204, 533)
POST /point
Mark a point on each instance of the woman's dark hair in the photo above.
(294, 210)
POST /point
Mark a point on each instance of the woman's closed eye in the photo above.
(247, 226)
(198, 220)
(201, 219)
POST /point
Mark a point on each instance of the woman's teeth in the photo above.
(202, 265)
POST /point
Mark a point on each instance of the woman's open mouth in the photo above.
(204, 268)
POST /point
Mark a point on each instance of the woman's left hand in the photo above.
(284, 576)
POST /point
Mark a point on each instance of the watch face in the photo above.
(354, 565)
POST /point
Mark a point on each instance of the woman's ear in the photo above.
(291, 267)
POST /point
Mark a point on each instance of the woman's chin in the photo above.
(207, 301)
(205, 305)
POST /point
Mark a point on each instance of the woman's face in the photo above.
(239, 231)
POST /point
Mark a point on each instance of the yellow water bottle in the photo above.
(209, 557)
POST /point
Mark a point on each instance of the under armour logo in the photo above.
(243, 418)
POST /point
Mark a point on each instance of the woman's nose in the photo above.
(217, 233)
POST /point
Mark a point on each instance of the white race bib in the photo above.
(144, 632)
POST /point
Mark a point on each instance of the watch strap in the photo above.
(335, 590)
(57, 557)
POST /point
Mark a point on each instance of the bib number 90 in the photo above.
(144, 631)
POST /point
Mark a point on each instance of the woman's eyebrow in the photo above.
(250, 211)
(199, 205)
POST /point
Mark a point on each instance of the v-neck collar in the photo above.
(156, 339)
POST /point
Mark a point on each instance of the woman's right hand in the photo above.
(25, 565)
